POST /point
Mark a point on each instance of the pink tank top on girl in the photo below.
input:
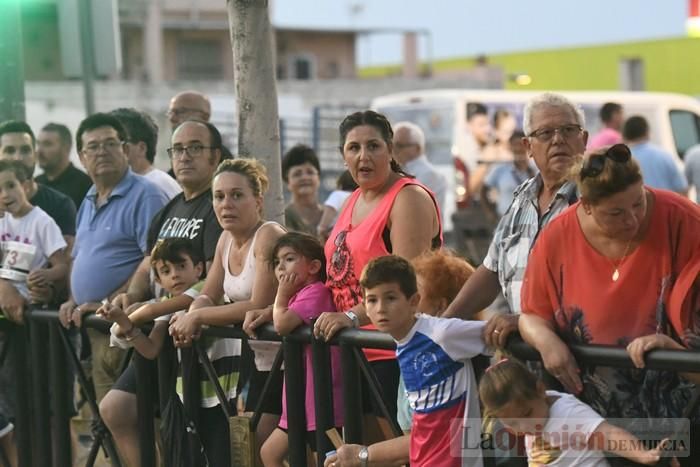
(349, 248)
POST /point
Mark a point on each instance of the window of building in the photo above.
(199, 59)
(686, 130)
(302, 66)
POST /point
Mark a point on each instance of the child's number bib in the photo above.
(17, 259)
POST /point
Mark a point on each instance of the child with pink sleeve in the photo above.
(300, 267)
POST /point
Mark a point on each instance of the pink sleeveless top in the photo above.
(349, 248)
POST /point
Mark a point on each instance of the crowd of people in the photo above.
(592, 246)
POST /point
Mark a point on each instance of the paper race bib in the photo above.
(17, 259)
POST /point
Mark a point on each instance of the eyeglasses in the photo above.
(545, 135)
(111, 146)
(178, 112)
(595, 164)
(194, 151)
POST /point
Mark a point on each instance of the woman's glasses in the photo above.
(595, 164)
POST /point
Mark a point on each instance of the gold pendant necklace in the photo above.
(616, 272)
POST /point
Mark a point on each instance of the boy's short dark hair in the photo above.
(388, 269)
(17, 168)
(298, 155)
(173, 250)
(306, 245)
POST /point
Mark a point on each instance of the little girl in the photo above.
(559, 429)
(300, 268)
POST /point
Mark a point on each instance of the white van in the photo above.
(674, 120)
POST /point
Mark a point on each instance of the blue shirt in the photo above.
(692, 169)
(658, 168)
(505, 178)
(111, 240)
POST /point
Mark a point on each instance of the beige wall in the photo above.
(332, 53)
(172, 37)
(327, 48)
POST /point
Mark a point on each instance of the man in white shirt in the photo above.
(409, 151)
(143, 140)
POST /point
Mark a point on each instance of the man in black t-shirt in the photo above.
(54, 144)
(190, 214)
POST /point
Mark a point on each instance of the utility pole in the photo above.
(11, 63)
(88, 54)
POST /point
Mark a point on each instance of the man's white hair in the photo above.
(415, 133)
(550, 99)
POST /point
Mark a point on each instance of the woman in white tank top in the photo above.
(239, 273)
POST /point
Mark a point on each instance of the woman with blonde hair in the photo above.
(240, 276)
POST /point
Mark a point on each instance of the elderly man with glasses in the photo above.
(555, 137)
(112, 228)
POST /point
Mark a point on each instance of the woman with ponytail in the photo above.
(390, 213)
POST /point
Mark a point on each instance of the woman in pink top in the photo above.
(390, 213)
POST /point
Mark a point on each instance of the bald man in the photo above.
(188, 105)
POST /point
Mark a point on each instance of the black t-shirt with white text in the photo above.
(193, 219)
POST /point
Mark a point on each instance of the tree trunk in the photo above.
(256, 94)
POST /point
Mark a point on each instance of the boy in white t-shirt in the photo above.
(33, 253)
(33, 248)
(435, 359)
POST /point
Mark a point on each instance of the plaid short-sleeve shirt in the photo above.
(517, 231)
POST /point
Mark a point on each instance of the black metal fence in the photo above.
(45, 398)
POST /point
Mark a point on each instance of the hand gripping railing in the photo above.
(350, 341)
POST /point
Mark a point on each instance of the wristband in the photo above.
(353, 317)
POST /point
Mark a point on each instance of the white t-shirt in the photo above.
(337, 198)
(27, 243)
(566, 434)
(165, 182)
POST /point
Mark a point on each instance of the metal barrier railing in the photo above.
(34, 439)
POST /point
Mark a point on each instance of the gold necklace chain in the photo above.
(616, 272)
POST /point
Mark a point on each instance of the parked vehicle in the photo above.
(442, 114)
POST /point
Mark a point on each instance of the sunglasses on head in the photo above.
(595, 164)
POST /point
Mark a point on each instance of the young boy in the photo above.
(33, 249)
(33, 254)
(434, 356)
(178, 270)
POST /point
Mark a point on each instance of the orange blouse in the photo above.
(569, 283)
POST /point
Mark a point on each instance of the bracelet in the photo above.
(133, 333)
